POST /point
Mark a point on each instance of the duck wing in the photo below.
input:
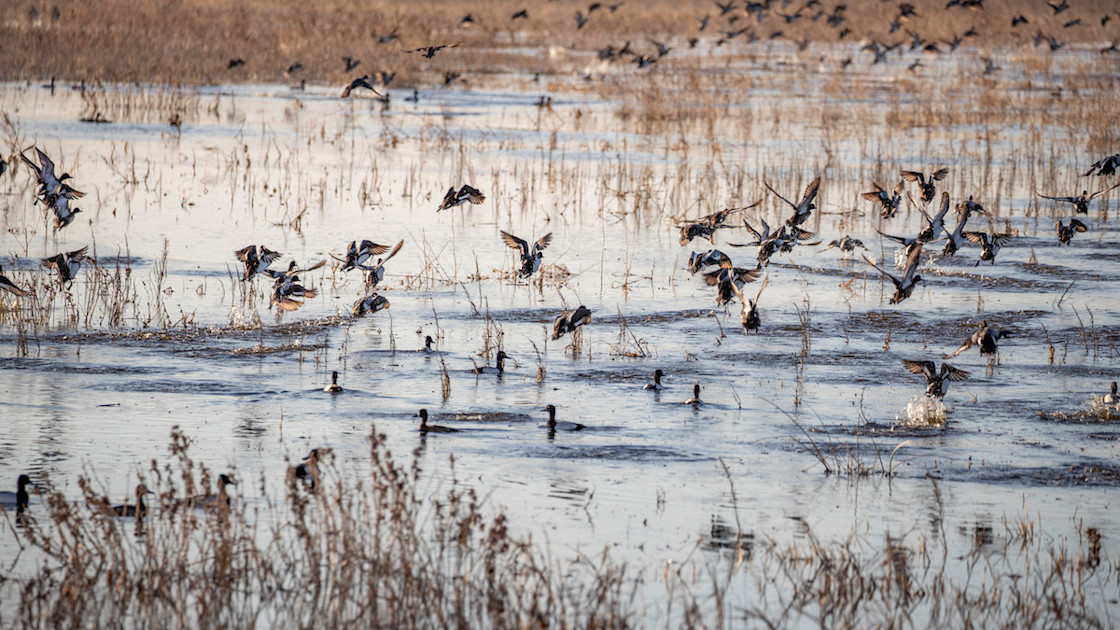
(513, 242)
(893, 279)
(1065, 199)
(542, 242)
(809, 196)
(912, 263)
(1101, 192)
(925, 368)
(950, 373)
(1077, 226)
(449, 199)
(914, 176)
(768, 187)
(939, 174)
(396, 248)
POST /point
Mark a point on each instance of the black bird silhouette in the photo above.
(430, 51)
(360, 82)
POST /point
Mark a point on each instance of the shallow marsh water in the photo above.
(305, 173)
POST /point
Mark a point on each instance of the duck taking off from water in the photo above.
(63, 213)
(1104, 166)
(705, 226)
(358, 252)
(376, 273)
(256, 258)
(368, 305)
(903, 286)
(67, 264)
(1080, 202)
(936, 381)
(458, 197)
(360, 82)
(935, 224)
(888, 202)
(846, 244)
(530, 257)
(1065, 232)
(987, 337)
(697, 261)
(748, 314)
(50, 185)
(805, 207)
(569, 321)
(729, 279)
(926, 185)
(989, 244)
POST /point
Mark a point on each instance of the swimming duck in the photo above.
(455, 198)
(20, 498)
(926, 185)
(50, 186)
(554, 426)
(360, 82)
(697, 261)
(358, 252)
(426, 428)
(888, 203)
(376, 273)
(748, 315)
(695, 400)
(846, 244)
(63, 213)
(257, 258)
(368, 305)
(1080, 202)
(802, 210)
(334, 387)
(309, 469)
(205, 501)
(428, 341)
(1104, 166)
(67, 264)
(569, 321)
(1065, 232)
(499, 364)
(139, 510)
(935, 224)
(656, 384)
(989, 244)
(1111, 398)
(936, 382)
(10, 287)
(729, 279)
(904, 286)
(986, 337)
(530, 258)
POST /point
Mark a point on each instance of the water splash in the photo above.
(244, 317)
(923, 411)
(1097, 408)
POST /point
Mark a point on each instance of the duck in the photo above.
(935, 224)
(430, 51)
(360, 82)
(499, 364)
(426, 428)
(656, 384)
(204, 501)
(903, 286)
(846, 244)
(308, 470)
(705, 226)
(334, 387)
(428, 341)
(1105, 166)
(937, 382)
(285, 286)
(562, 425)
(888, 202)
(1066, 232)
(67, 264)
(956, 238)
(729, 279)
(139, 509)
(907, 243)
(695, 400)
(926, 184)
(10, 286)
(50, 186)
(1111, 398)
(987, 337)
(569, 321)
(358, 252)
(256, 258)
(63, 213)
(376, 273)
(530, 257)
(20, 498)
(369, 304)
(697, 261)
(802, 210)
(748, 314)
(989, 244)
(1080, 202)
(458, 197)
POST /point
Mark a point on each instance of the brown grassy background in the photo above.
(192, 41)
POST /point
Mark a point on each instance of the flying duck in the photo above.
(360, 82)
(656, 384)
(334, 387)
(554, 426)
(358, 252)
(956, 238)
(936, 382)
(426, 428)
(986, 337)
(705, 226)
(908, 244)
(63, 213)
(926, 185)
(1080, 202)
(1104, 166)
(530, 257)
(256, 258)
(989, 244)
(67, 264)
(569, 321)
(376, 273)
(1065, 232)
(846, 244)
(368, 305)
(455, 198)
(935, 224)
(139, 510)
(748, 315)
(285, 287)
(430, 51)
(50, 186)
(802, 210)
(697, 261)
(888, 203)
(904, 286)
(729, 279)
(10, 287)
